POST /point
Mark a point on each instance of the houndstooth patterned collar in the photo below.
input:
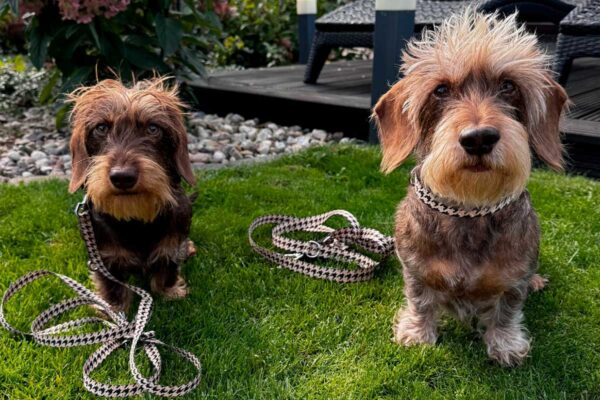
(434, 202)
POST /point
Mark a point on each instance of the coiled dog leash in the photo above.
(118, 333)
(335, 246)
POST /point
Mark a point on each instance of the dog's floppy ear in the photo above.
(545, 137)
(79, 158)
(182, 157)
(397, 136)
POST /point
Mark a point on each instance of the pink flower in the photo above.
(83, 11)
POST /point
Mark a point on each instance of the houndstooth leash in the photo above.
(118, 333)
(337, 244)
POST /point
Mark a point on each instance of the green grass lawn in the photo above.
(267, 333)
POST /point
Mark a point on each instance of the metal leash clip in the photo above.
(82, 207)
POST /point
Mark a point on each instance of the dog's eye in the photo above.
(101, 130)
(154, 130)
(441, 90)
(507, 87)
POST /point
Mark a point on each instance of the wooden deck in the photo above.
(341, 102)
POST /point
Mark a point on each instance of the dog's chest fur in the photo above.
(472, 258)
(135, 245)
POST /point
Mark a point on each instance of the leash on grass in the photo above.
(336, 246)
(118, 332)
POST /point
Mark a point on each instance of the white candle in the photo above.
(306, 7)
(395, 5)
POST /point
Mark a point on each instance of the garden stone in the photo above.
(201, 158)
(319, 135)
(24, 162)
(264, 146)
(209, 145)
(227, 128)
(38, 155)
(44, 162)
(234, 118)
(249, 131)
(219, 156)
(26, 174)
(264, 134)
(192, 139)
(304, 141)
(279, 133)
(235, 154)
(14, 155)
(280, 146)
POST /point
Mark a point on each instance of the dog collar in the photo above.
(430, 199)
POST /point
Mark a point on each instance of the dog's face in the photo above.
(129, 147)
(476, 96)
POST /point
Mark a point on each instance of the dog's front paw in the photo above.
(507, 346)
(413, 329)
(178, 291)
(537, 282)
(191, 249)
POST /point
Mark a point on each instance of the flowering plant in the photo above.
(83, 11)
(134, 39)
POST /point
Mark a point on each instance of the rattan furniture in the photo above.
(353, 24)
(579, 36)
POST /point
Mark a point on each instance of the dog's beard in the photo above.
(445, 169)
(151, 194)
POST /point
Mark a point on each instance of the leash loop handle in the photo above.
(336, 246)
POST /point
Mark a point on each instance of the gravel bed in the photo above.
(30, 146)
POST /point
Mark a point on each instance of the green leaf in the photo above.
(169, 32)
(95, 35)
(38, 44)
(192, 62)
(61, 116)
(141, 40)
(46, 92)
(143, 58)
(79, 76)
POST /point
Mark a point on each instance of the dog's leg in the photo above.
(506, 340)
(417, 322)
(167, 282)
(118, 296)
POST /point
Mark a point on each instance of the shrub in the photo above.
(135, 39)
(19, 83)
(260, 33)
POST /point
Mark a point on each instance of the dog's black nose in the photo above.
(123, 177)
(479, 141)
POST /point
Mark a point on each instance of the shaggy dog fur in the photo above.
(474, 77)
(129, 151)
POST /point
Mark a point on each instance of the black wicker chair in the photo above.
(579, 36)
(353, 25)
